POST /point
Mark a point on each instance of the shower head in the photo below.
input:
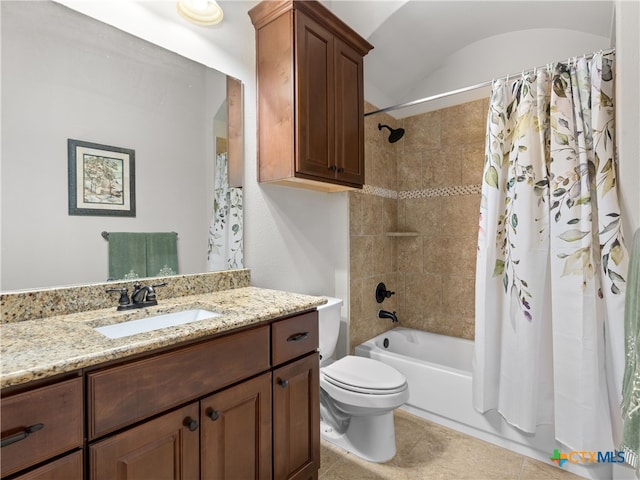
(396, 133)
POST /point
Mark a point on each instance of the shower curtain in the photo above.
(551, 261)
(226, 227)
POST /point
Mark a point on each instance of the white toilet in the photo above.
(357, 395)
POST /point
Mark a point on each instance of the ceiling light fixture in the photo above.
(201, 12)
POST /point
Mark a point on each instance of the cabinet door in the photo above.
(236, 431)
(165, 448)
(349, 114)
(296, 419)
(315, 99)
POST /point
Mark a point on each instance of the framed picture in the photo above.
(101, 179)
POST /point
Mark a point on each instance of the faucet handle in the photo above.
(151, 293)
(382, 292)
(124, 295)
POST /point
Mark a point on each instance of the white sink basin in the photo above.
(149, 324)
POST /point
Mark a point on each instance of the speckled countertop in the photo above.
(35, 349)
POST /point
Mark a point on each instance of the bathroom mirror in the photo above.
(69, 76)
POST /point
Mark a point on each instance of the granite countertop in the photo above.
(36, 349)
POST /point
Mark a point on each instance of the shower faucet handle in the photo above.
(382, 292)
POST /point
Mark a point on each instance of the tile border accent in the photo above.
(379, 191)
(423, 193)
(441, 191)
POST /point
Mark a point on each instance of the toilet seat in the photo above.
(364, 375)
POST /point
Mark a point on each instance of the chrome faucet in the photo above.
(386, 314)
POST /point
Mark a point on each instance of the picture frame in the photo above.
(101, 179)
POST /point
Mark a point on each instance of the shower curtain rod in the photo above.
(466, 89)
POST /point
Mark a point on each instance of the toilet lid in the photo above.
(362, 374)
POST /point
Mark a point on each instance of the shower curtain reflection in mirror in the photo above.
(551, 262)
(226, 227)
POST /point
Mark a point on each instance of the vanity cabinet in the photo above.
(310, 96)
(41, 424)
(266, 426)
(296, 395)
(241, 405)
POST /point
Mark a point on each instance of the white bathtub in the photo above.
(438, 370)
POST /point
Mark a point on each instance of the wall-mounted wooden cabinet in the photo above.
(310, 96)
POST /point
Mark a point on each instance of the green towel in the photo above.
(127, 255)
(631, 379)
(162, 254)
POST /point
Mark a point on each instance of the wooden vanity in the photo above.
(239, 404)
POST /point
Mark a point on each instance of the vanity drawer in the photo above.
(54, 416)
(121, 395)
(294, 337)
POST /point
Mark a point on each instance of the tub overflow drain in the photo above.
(386, 343)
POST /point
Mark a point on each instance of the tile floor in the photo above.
(426, 450)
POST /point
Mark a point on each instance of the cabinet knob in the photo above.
(191, 424)
(283, 383)
(340, 170)
(212, 414)
(333, 168)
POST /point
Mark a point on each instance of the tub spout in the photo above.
(385, 314)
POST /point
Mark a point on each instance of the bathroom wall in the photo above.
(372, 214)
(426, 189)
(440, 164)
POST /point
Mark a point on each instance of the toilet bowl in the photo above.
(357, 395)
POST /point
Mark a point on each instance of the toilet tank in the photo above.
(329, 326)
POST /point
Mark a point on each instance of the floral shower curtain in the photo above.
(226, 228)
(551, 259)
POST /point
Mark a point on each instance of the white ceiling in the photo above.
(418, 42)
(414, 39)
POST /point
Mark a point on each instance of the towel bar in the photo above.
(105, 235)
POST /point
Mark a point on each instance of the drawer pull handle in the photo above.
(22, 435)
(296, 337)
(191, 424)
(213, 414)
(283, 383)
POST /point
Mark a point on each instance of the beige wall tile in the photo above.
(442, 167)
(372, 218)
(390, 215)
(422, 132)
(464, 123)
(361, 255)
(472, 157)
(458, 296)
(422, 215)
(422, 295)
(410, 254)
(384, 255)
(356, 216)
(410, 171)
(459, 215)
(356, 299)
(456, 255)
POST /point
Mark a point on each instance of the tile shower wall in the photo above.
(373, 254)
(440, 170)
(428, 184)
